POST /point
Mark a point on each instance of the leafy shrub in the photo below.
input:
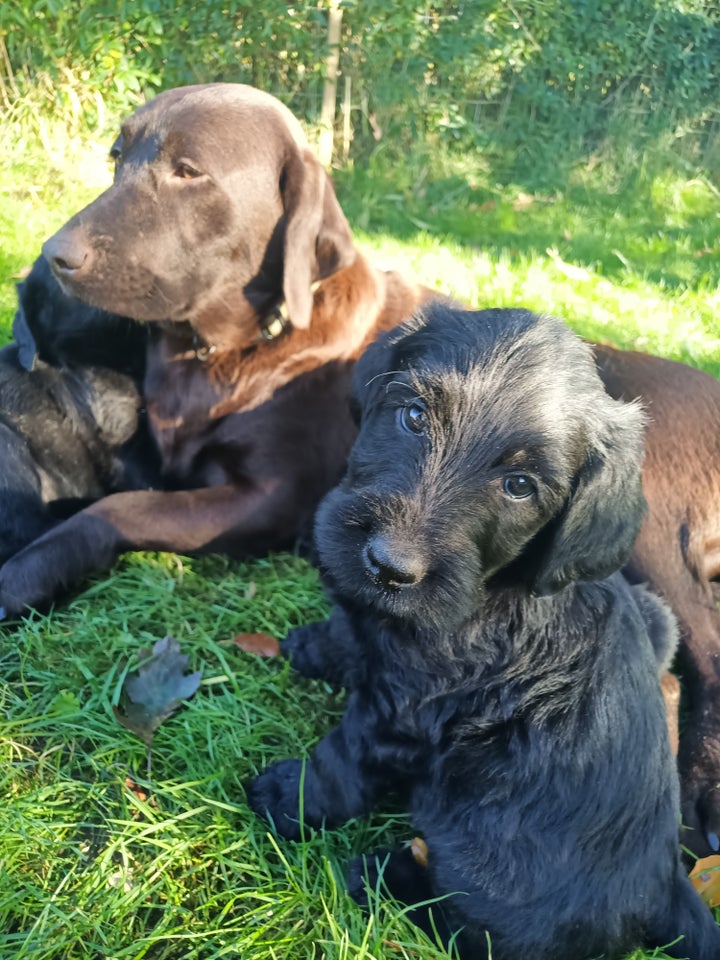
(539, 83)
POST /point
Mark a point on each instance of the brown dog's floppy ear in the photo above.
(318, 241)
(595, 531)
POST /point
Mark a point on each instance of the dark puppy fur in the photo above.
(218, 215)
(70, 423)
(500, 672)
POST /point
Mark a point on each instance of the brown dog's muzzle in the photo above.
(69, 254)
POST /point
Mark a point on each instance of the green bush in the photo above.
(539, 84)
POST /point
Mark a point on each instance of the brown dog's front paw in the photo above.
(56, 562)
(699, 763)
(20, 590)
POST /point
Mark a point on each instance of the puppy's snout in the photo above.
(68, 253)
(393, 564)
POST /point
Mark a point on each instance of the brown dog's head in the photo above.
(218, 212)
(488, 451)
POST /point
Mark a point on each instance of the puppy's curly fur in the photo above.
(499, 670)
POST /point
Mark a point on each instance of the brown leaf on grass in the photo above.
(154, 693)
(135, 788)
(419, 851)
(142, 794)
(261, 644)
(705, 878)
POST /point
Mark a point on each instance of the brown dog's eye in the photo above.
(186, 172)
(518, 486)
(414, 417)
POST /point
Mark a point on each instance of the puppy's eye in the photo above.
(185, 171)
(518, 486)
(414, 417)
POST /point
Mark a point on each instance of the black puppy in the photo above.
(71, 426)
(499, 671)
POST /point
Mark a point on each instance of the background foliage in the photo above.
(539, 83)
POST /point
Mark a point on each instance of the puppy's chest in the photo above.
(419, 706)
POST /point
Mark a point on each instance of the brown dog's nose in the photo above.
(68, 253)
(393, 564)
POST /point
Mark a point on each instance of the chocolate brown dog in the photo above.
(500, 674)
(220, 226)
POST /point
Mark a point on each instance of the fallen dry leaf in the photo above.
(154, 693)
(136, 789)
(705, 878)
(419, 850)
(261, 644)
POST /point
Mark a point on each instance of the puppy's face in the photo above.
(478, 432)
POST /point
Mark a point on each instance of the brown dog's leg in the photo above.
(670, 686)
(679, 576)
(212, 519)
(678, 553)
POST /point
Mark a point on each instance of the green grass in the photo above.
(92, 870)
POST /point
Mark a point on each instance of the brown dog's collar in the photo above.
(202, 351)
(274, 325)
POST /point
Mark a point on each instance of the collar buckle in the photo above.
(274, 325)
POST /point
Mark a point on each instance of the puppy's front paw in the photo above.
(364, 875)
(275, 795)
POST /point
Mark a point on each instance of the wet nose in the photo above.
(392, 563)
(68, 253)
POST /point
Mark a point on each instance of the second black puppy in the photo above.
(499, 672)
(71, 422)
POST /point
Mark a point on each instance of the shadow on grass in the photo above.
(663, 229)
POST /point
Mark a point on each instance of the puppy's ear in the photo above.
(368, 378)
(22, 334)
(594, 533)
(318, 241)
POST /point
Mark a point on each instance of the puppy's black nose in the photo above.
(393, 564)
(68, 253)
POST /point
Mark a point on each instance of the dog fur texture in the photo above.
(501, 675)
(218, 215)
